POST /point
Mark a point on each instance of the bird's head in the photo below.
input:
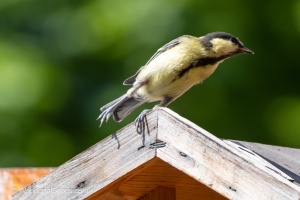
(219, 44)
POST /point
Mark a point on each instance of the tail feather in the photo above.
(119, 108)
(126, 108)
(113, 102)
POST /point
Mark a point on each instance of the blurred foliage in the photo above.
(61, 60)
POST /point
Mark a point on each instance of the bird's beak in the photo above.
(245, 50)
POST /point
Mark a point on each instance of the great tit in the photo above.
(172, 70)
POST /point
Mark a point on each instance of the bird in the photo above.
(171, 71)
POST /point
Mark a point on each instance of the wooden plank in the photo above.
(151, 175)
(113, 191)
(258, 159)
(214, 163)
(163, 174)
(96, 167)
(160, 193)
(285, 158)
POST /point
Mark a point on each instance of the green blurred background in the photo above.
(61, 60)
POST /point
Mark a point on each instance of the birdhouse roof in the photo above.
(176, 154)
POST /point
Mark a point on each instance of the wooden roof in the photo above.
(285, 159)
(192, 161)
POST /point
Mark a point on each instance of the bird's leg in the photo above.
(166, 101)
(141, 121)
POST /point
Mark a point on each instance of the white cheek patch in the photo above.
(221, 46)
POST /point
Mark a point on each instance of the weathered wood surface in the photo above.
(284, 158)
(257, 158)
(96, 167)
(148, 177)
(190, 149)
(218, 165)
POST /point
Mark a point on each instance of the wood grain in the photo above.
(160, 193)
(96, 167)
(156, 173)
(218, 165)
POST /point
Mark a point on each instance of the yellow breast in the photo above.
(162, 72)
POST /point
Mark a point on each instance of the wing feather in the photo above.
(131, 80)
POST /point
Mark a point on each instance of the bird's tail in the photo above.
(119, 108)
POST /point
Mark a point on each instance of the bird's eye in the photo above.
(234, 40)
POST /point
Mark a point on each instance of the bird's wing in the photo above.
(131, 79)
(164, 48)
(171, 44)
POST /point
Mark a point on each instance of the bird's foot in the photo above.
(141, 122)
